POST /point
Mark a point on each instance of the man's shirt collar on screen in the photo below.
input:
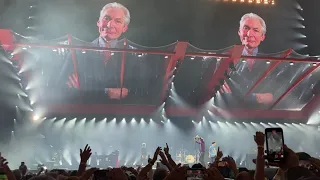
(246, 53)
(102, 42)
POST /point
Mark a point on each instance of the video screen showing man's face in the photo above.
(275, 144)
(112, 23)
(251, 33)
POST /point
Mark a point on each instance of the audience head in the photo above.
(244, 175)
(160, 174)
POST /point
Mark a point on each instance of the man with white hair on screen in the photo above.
(252, 31)
(99, 72)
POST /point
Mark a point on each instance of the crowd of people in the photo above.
(294, 166)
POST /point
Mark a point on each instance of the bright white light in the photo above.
(166, 57)
(36, 117)
(83, 52)
(268, 62)
(112, 54)
(192, 58)
(54, 50)
(24, 48)
(291, 64)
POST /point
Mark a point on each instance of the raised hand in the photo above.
(259, 139)
(156, 154)
(85, 154)
(232, 164)
(163, 159)
(166, 149)
(219, 154)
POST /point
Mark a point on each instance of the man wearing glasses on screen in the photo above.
(97, 70)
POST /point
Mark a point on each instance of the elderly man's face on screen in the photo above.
(251, 33)
(112, 23)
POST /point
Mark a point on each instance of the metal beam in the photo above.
(123, 63)
(171, 111)
(312, 106)
(268, 71)
(180, 51)
(74, 60)
(310, 60)
(295, 84)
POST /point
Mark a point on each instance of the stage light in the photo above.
(192, 58)
(166, 57)
(303, 27)
(291, 63)
(249, 1)
(36, 117)
(258, 1)
(268, 62)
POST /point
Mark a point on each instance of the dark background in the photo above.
(205, 24)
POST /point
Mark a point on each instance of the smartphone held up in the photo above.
(274, 144)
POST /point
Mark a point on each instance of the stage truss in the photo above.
(178, 54)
